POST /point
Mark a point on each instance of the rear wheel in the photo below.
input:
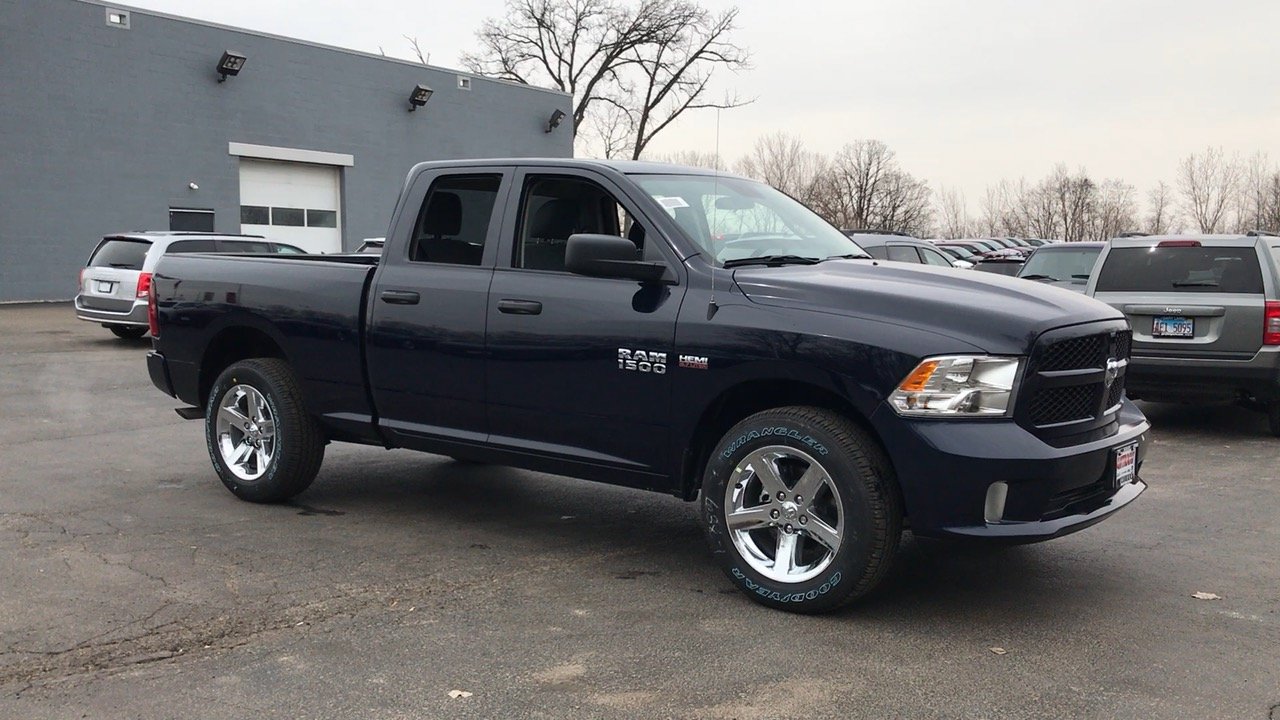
(264, 445)
(801, 509)
(127, 332)
(1273, 415)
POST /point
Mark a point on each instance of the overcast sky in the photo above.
(966, 92)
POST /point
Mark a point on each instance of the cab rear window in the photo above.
(1181, 269)
(120, 253)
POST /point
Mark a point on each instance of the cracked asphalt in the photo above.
(133, 585)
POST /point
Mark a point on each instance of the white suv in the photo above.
(116, 281)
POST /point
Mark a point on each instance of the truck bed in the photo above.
(309, 306)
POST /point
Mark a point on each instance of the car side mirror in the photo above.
(609, 256)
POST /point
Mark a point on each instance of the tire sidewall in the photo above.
(840, 579)
(246, 374)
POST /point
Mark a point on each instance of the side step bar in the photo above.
(190, 413)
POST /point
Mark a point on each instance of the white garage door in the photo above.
(290, 202)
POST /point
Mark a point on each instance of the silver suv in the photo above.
(1205, 311)
(116, 281)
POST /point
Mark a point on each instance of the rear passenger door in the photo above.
(579, 367)
(903, 253)
(427, 305)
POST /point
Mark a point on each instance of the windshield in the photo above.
(1075, 264)
(731, 219)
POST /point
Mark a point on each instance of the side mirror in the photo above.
(609, 256)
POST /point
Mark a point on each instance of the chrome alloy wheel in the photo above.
(246, 432)
(784, 514)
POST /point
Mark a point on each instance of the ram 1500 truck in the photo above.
(670, 329)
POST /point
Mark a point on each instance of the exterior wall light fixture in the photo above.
(230, 64)
(419, 97)
(554, 121)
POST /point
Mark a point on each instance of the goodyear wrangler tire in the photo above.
(264, 445)
(801, 509)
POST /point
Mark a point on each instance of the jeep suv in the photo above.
(116, 281)
(1205, 312)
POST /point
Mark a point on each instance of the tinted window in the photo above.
(289, 217)
(322, 218)
(120, 254)
(1065, 264)
(190, 220)
(903, 253)
(255, 215)
(244, 246)
(191, 246)
(999, 268)
(453, 222)
(880, 252)
(1181, 269)
(556, 207)
(282, 249)
(933, 257)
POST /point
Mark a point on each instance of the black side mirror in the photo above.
(609, 256)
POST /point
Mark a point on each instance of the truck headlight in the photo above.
(958, 386)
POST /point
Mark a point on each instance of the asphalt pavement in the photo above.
(133, 585)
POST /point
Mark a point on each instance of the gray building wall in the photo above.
(102, 128)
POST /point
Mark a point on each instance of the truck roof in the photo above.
(626, 167)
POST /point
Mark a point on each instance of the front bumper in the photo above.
(136, 315)
(945, 469)
(1193, 379)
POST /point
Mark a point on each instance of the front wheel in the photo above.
(264, 445)
(801, 509)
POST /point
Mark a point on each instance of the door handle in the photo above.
(520, 307)
(399, 297)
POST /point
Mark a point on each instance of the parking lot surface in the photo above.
(133, 585)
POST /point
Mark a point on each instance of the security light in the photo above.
(554, 121)
(230, 64)
(419, 97)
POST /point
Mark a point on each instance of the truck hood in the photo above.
(999, 314)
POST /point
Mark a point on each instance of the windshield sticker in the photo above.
(671, 203)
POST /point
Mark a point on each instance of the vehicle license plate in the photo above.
(1126, 464)
(1173, 327)
(105, 286)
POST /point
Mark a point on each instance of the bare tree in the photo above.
(1114, 210)
(1271, 208)
(677, 65)
(1252, 196)
(782, 161)
(425, 59)
(953, 214)
(652, 60)
(1160, 216)
(862, 187)
(692, 158)
(1208, 184)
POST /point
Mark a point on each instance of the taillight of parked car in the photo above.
(144, 285)
(153, 316)
(1271, 324)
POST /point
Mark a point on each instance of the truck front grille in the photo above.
(1074, 383)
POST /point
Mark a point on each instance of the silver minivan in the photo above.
(1205, 311)
(115, 283)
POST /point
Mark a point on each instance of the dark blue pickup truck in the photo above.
(670, 329)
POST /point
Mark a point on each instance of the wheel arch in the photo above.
(231, 345)
(747, 398)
